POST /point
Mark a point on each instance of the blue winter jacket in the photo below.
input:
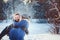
(17, 33)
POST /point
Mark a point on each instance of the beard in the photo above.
(17, 20)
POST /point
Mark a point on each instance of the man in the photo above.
(16, 30)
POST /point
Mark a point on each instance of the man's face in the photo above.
(17, 17)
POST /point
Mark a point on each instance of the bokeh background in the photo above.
(44, 17)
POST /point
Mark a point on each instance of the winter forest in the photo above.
(40, 12)
(37, 9)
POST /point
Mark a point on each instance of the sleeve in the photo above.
(25, 26)
(5, 31)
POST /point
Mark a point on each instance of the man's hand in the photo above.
(25, 29)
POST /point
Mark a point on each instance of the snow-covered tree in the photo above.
(2, 14)
(40, 8)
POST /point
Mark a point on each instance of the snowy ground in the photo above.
(42, 37)
(39, 37)
(36, 32)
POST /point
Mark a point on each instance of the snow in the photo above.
(37, 31)
(39, 37)
(43, 37)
